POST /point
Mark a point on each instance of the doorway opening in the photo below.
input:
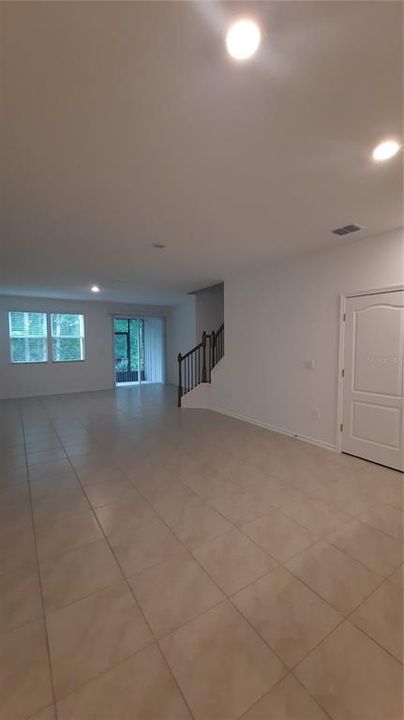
(138, 350)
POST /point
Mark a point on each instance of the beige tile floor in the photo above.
(158, 564)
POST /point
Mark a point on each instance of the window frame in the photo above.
(43, 337)
(82, 338)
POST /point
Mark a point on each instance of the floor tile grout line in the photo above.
(364, 493)
(343, 618)
(394, 572)
(43, 613)
(134, 598)
(313, 697)
(376, 642)
(323, 538)
(229, 599)
(290, 669)
(373, 527)
(177, 685)
(338, 625)
(43, 709)
(328, 602)
(283, 481)
(104, 672)
(357, 518)
(327, 540)
(252, 582)
(329, 532)
(310, 495)
(376, 572)
(279, 682)
(52, 611)
(358, 627)
(190, 553)
(241, 526)
(279, 509)
(279, 564)
(186, 548)
(356, 561)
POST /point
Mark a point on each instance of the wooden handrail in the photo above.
(191, 351)
(217, 346)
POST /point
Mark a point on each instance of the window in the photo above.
(67, 337)
(28, 337)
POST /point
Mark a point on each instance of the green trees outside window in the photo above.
(67, 337)
(129, 345)
(28, 337)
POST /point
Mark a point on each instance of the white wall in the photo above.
(94, 373)
(278, 317)
(209, 309)
(180, 334)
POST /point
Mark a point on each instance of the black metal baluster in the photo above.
(196, 366)
(179, 380)
(204, 357)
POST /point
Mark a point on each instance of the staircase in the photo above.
(195, 367)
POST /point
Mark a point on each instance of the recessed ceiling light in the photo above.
(95, 289)
(243, 39)
(159, 246)
(386, 150)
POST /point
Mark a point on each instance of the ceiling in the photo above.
(126, 124)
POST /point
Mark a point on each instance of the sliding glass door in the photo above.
(139, 350)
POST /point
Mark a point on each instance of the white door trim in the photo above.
(341, 341)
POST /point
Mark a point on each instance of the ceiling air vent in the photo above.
(346, 229)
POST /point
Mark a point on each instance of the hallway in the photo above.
(165, 564)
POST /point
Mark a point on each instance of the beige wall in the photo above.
(209, 309)
(94, 373)
(180, 334)
(278, 317)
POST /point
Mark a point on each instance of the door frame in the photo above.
(125, 316)
(343, 297)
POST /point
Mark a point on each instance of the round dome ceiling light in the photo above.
(242, 39)
(95, 289)
(386, 150)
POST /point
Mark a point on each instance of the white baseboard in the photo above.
(281, 431)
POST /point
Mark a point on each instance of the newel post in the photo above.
(204, 357)
(179, 380)
(213, 344)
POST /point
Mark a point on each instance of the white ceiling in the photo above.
(126, 124)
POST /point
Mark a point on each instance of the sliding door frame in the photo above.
(142, 317)
(127, 333)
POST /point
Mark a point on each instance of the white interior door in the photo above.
(373, 378)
